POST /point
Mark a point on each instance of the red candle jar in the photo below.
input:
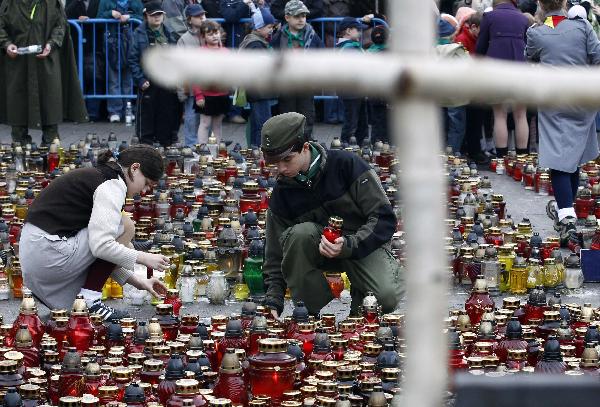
(306, 336)
(513, 340)
(71, 382)
(479, 301)
(584, 203)
(516, 359)
(80, 332)
(120, 377)
(189, 323)
(173, 299)
(53, 158)
(169, 323)
(250, 198)
(28, 316)
(51, 323)
(258, 331)
(230, 384)
(107, 394)
(24, 344)
(234, 339)
(272, 371)
(151, 371)
(186, 389)
(334, 230)
(335, 282)
(93, 378)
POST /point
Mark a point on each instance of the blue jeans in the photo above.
(191, 121)
(260, 112)
(333, 111)
(116, 48)
(456, 125)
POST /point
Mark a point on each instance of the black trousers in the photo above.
(478, 118)
(158, 116)
(300, 104)
(355, 120)
(379, 115)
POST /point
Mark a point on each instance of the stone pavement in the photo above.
(520, 203)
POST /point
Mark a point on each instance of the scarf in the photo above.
(294, 37)
(553, 21)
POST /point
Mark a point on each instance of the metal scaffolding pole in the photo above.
(417, 135)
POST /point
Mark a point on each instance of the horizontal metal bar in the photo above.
(380, 75)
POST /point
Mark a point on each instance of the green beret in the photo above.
(280, 134)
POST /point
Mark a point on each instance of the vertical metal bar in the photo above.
(417, 132)
(106, 51)
(94, 33)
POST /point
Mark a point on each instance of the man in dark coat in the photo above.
(37, 91)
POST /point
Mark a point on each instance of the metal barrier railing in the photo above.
(87, 38)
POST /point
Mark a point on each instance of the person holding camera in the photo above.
(39, 86)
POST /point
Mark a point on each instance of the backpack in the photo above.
(234, 10)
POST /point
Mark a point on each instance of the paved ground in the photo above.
(520, 203)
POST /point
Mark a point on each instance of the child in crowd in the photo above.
(297, 34)
(158, 109)
(468, 32)
(211, 104)
(378, 108)
(260, 105)
(453, 110)
(195, 15)
(355, 107)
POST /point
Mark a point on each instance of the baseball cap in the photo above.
(295, 7)
(280, 134)
(153, 7)
(350, 22)
(266, 19)
(445, 29)
(194, 10)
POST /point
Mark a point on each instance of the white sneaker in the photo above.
(490, 146)
(115, 118)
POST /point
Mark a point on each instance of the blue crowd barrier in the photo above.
(103, 26)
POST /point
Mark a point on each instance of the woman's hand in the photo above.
(154, 261)
(153, 285)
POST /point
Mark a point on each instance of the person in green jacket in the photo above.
(313, 185)
(39, 89)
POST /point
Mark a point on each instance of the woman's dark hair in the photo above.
(150, 160)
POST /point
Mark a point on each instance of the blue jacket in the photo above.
(311, 38)
(502, 33)
(142, 39)
(106, 7)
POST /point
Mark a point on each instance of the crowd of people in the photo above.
(550, 32)
(112, 53)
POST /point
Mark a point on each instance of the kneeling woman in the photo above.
(75, 236)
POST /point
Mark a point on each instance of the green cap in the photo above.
(280, 134)
(295, 7)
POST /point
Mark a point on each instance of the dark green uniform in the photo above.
(342, 185)
(37, 93)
